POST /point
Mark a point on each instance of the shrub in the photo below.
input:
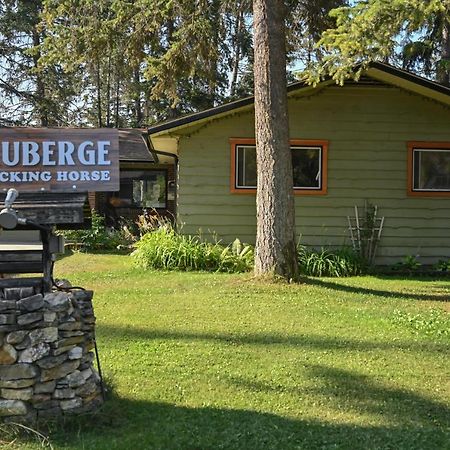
(166, 249)
(408, 263)
(237, 258)
(148, 221)
(443, 265)
(98, 236)
(329, 263)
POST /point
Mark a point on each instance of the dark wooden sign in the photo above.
(59, 159)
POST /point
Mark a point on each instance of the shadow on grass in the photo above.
(128, 424)
(386, 417)
(377, 292)
(362, 395)
(316, 342)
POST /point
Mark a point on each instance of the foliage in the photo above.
(98, 236)
(116, 63)
(409, 263)
(145, 223)
(329, 263)
(168, 250)
(237, 258)
(369, 30)
(307, 20)
(443, 265)
(434, 323)
(29, 95)
(148, 60)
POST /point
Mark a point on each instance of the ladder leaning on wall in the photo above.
(365, 231)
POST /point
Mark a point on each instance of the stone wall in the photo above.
(46, 358)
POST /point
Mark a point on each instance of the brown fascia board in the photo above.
(228, 107)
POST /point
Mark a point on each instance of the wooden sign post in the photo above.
(52, 169)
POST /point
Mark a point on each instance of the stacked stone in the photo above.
(46, 358)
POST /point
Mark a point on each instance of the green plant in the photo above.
(166, 249)
(98, 236)
(409, 263)
(148, 221)
(238, 257)
(443, 265)
(332, 263)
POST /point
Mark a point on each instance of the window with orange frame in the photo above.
(309, 164)
(429, 169)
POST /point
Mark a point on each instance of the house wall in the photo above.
(367, 129)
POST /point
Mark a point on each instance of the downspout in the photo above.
(155, 154)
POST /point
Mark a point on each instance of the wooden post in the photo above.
(47, 261)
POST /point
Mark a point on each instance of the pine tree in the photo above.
(411, 33)
(30, 95)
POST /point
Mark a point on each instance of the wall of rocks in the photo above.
(46, 354)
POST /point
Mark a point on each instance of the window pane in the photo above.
(431, 170)
(306, 164)
(246, 166)
(142, 188)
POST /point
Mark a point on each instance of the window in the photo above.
(309, 161)
(429, 169)
(143, 188)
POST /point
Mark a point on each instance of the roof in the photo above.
(376, 70)
(133, 146)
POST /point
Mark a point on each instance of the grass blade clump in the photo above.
(165, 249)
(329, 263)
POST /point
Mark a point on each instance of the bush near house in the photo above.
(158, 246)
(168, 250)
(330, 263)
(97, 237)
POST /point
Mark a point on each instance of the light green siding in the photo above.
(367, 129)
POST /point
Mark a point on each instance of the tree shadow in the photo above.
(377, 292)
(132, 424)
(316, 342)
(343, 390)
(386, 417)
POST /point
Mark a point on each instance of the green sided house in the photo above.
(384, 140)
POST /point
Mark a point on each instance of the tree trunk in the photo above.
(99, 96)
(237, 50)
(275, 252)
(117, 103)
(443, 73)
(108, 92)
(137, 96)
(40, 86)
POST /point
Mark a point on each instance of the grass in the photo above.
(218, 361)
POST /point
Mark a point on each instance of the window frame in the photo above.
(423, 145)
(323, 144)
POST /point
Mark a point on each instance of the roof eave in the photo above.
(408, 81)
(378, 71)
(245, 104)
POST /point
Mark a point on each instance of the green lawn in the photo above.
(217, 361)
